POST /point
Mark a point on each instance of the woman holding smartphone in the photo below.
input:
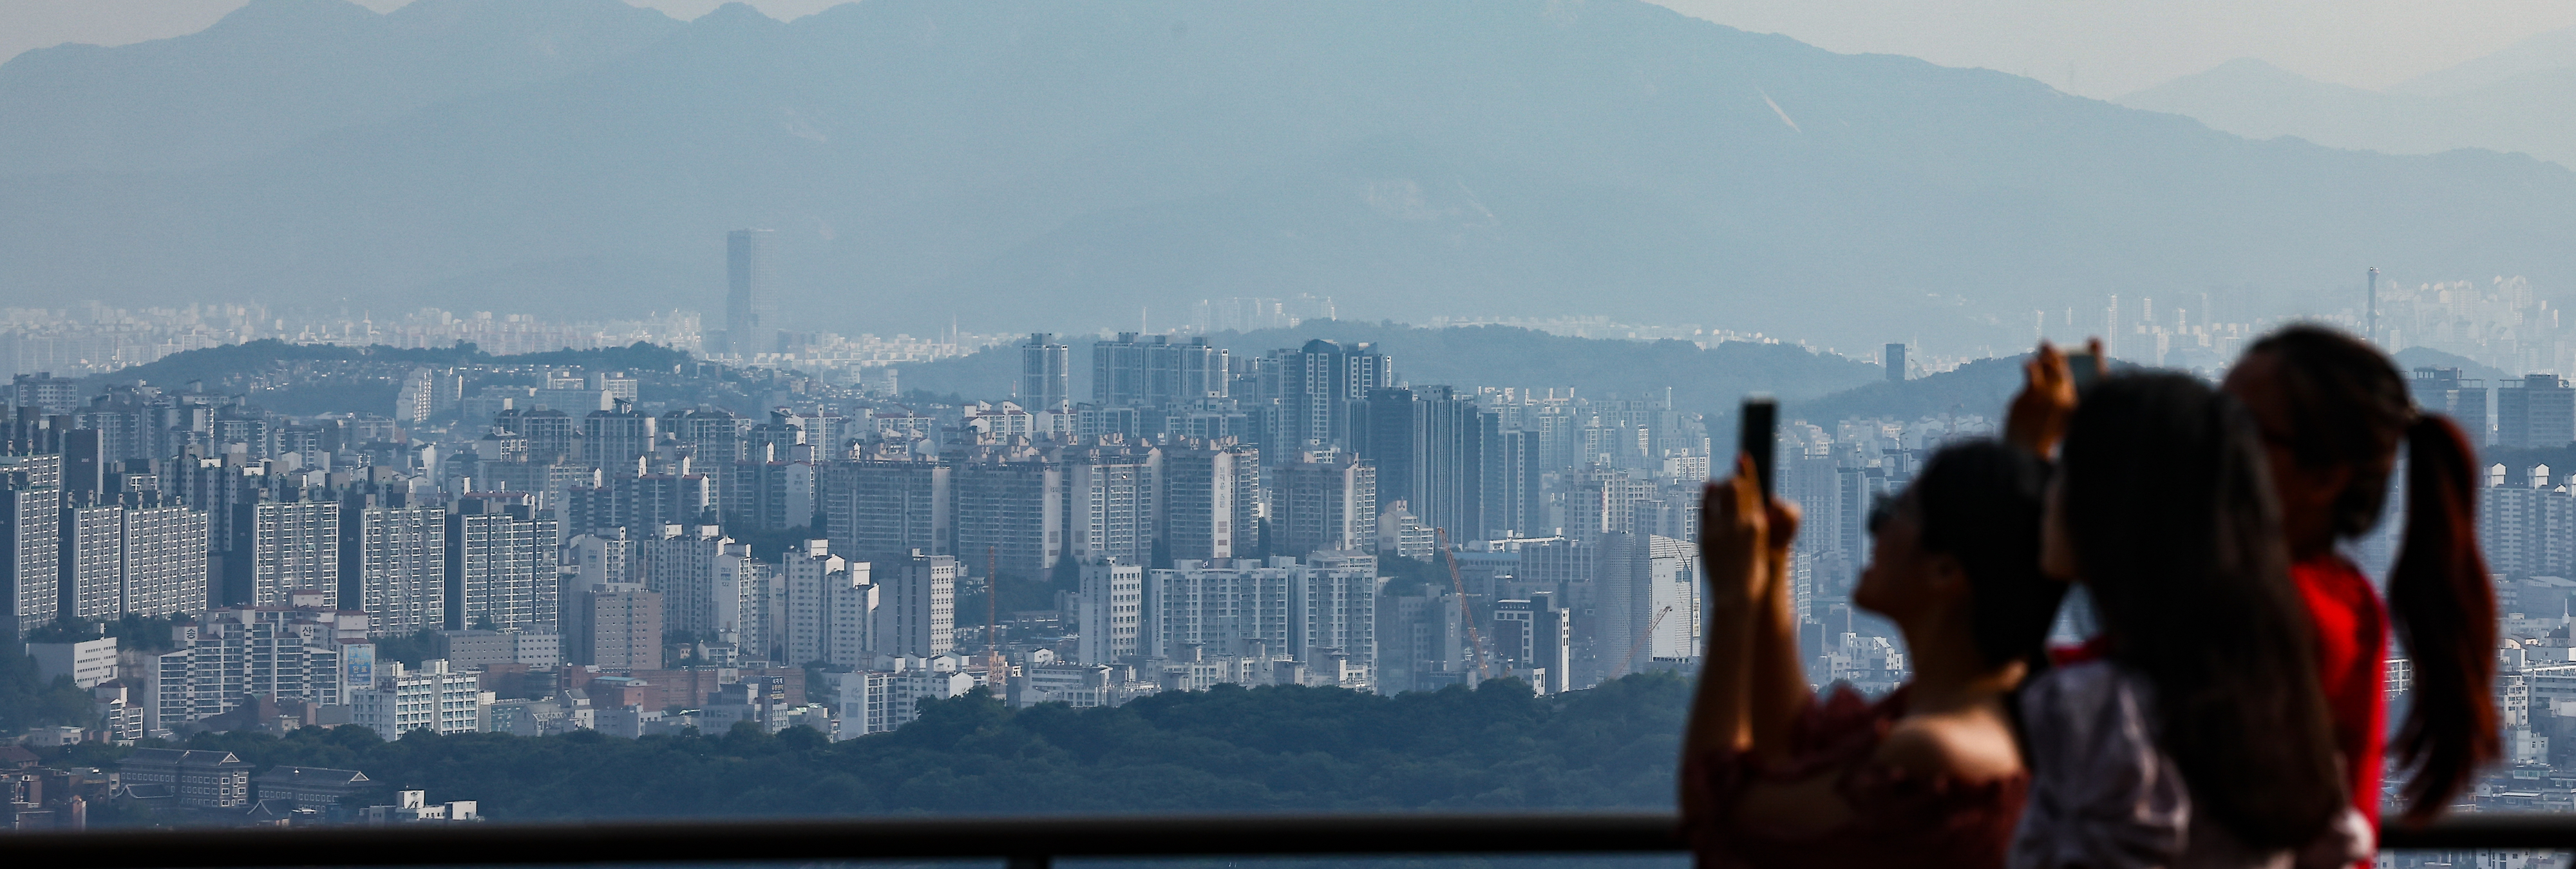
(2198, 736)
(1931, 775)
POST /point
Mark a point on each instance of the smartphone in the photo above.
(2084, 368)
(1759, 435)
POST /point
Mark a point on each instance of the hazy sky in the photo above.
(2093, 47)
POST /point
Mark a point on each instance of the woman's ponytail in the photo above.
(2444, 608)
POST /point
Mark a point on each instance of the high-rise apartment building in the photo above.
(831, 608)
(2464, 400)
(1010, 512)
(393, 563)
(1113, 497)
(231, 656)
(30, 551)
(1046, 375)
(1323, 502)
(751, 315)
(1309, 393)
(879, 508)
(288, 546)
(613, 439)
(1211, 499)
(1326, 605)
(917, 605)
(1109, 612)
(1151, 371)
(167, 570)
(2538, 411)
(1428, 445)
(501, 558)
(431, 697)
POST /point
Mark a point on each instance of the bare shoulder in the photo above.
(1969, 745)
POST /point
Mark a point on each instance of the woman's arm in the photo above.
(1733, 527)
(1778, 681)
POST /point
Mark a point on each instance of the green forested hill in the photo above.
(1226, 750)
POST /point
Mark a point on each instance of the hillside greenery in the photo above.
(1231, 749)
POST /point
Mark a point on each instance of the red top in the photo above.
(2352, 654)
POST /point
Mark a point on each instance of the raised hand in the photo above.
(2037, 418)
(1736, 540)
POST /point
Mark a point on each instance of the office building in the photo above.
(751, 315)
(1535, 639)
(1894, 360)
(622, 628)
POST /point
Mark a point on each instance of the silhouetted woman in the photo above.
(2333, 411)
(2199, 736)
(1932, 775)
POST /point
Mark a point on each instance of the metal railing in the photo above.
(1025, 842)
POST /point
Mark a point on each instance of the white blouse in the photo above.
(2104, 796)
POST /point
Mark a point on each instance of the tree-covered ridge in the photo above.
(226, 365)
(1231, 749)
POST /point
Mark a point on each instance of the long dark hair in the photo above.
(1980, 503)
(2348, 408)
(2171, 511)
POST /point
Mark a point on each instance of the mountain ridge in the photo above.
(1068, 163)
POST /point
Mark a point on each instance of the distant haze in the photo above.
(2098, 48)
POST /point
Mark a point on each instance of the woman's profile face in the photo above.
(1894, 583)
(2056, 545)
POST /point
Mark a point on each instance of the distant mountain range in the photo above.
(2517, 100)
(1021, 164)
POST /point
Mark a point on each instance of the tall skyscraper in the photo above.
(751, 317)
(1895, 362)
(1046, 374)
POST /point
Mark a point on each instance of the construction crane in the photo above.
(1642, 639)
(1466, 616)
